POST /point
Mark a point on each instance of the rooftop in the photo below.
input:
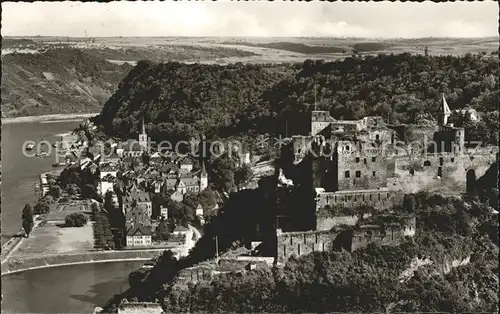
(139, 230)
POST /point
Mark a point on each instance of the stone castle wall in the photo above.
(196, 274)
(237, 264)
(388, 235)
(303, 243)
(327, 223)
(379, 198)
(445, 173)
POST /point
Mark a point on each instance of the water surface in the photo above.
(65, 289)
(20, 173)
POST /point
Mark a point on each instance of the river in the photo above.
(66, 289)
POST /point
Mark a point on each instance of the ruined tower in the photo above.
(319, 121)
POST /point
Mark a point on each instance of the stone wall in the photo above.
(379, 198)
(445, 173)
(196, 274)
(391, 234)
(360, 168)
(303, 243)
(327, 223)
(243, 262)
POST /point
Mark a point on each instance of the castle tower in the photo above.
(203, 177)
(319, 121)
(445, 113)
(143, 137)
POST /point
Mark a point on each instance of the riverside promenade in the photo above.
(50, 244)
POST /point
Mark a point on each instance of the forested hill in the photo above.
(179, 100)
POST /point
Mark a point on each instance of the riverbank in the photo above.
(13, 243)
(20, 264)
(58, 117)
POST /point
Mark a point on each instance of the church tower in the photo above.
(445, 113)
(143, 137)
(203, 176)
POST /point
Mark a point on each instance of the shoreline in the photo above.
(138, 259)
(62, 117)
(18, 264)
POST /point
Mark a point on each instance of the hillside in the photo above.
(57, 81)
(180, 100)
(449, 266)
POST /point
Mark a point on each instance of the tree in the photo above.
(27, 219)
(73, 189)
(242, 175)
(222, 173)
(145, 158)
(43, 205)
(162, 232)
(55, 191)
(75, 220)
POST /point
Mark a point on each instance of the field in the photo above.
(52, 239)
(62, 210)
(248, 49)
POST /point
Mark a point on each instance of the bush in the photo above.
(75, 220)
(43, 205)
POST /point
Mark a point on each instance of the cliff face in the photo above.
(57, 81)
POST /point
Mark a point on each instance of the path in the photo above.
(15, 242)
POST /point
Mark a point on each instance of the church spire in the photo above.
(445, 113)
(446, 108)
(143, 126)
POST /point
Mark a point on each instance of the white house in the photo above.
(186, 164)
(139, 235)
(199, 210)
(158, 185)
(106, 186)
(164, 212)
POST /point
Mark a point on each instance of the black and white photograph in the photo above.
(249, 157)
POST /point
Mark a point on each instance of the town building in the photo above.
(130, 148)
(139, 235)
(105, 186)
(137, 198)
(185, 163)
(108, 169)
(164, 212)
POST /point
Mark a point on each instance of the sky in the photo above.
(263, 19)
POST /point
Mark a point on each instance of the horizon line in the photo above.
(211, 36)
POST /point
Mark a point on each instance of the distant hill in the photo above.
(57, 81)
(369, 47)
(16, 42)
(297, 47)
